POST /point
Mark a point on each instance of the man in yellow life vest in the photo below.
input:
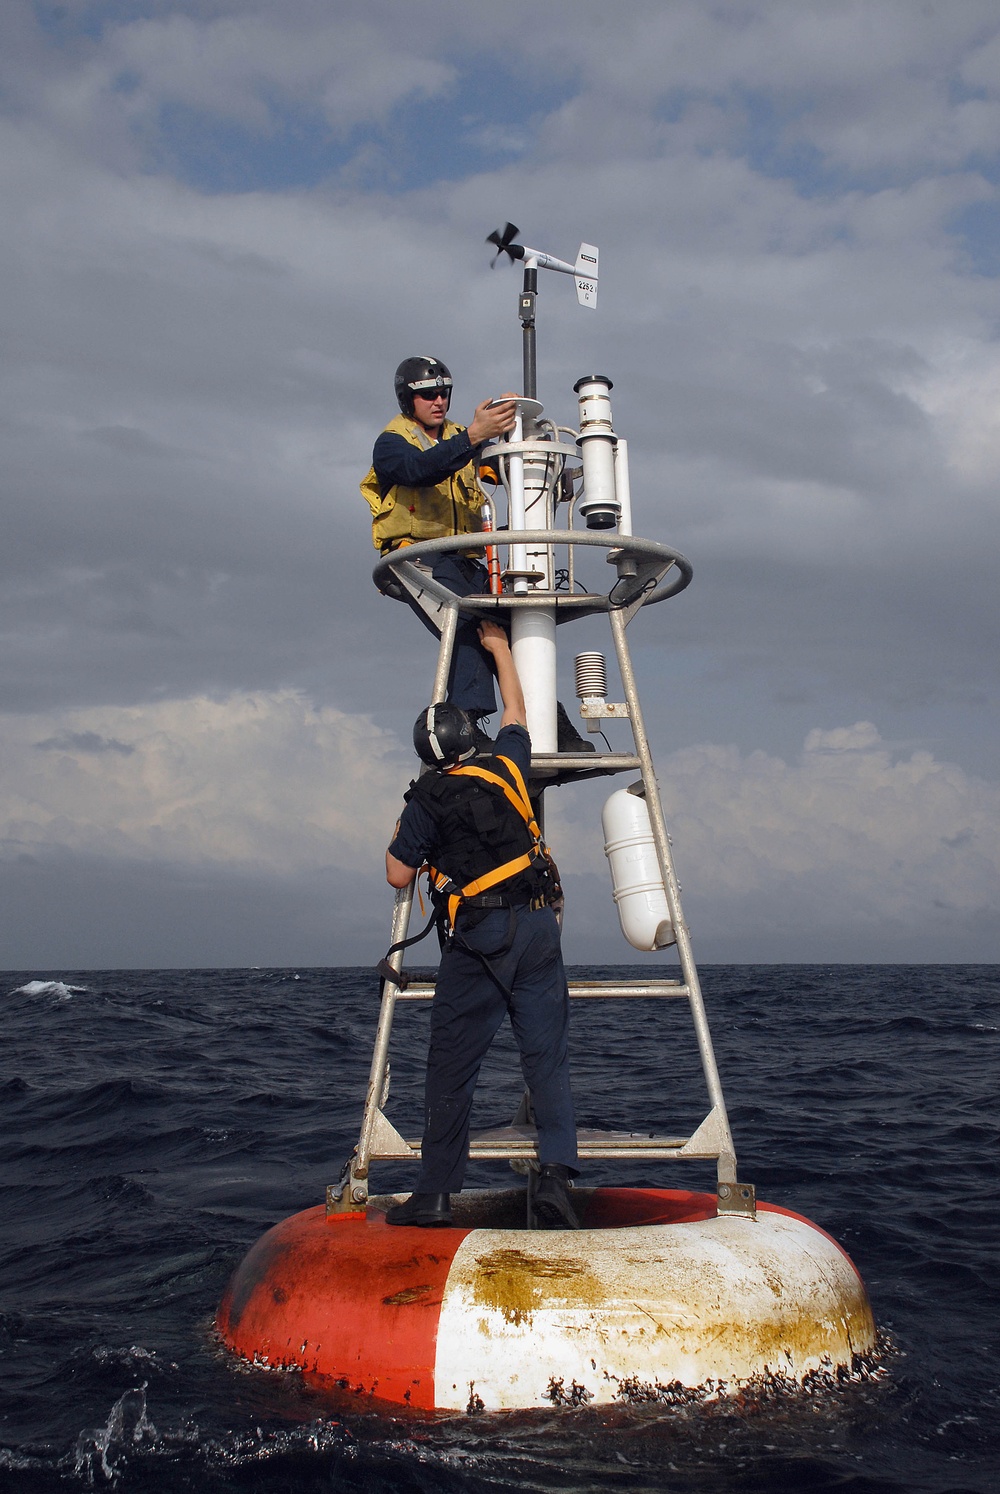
(422, 485)
(472, 821)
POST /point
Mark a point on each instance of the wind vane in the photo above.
(584, 272)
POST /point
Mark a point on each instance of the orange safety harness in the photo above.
(443, 887)
(448, 898)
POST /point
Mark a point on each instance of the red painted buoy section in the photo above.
(656, 1290)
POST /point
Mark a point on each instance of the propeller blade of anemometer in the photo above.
(503, 241)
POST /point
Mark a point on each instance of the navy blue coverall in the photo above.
(469, 1009)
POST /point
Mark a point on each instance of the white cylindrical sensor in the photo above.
(636, 879)
(599, 504)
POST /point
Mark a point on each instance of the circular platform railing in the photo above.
(643, 568)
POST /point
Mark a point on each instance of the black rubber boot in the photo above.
(553, 1209)
(568, 739)
(425, 1210)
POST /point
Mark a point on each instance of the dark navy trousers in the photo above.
(470, 680)
(466, 1015)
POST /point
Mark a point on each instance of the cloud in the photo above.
(138, 77)
(260, 783)
(225, 224)
(853, 844)
(236, 67)
(854, 835)
(84, 741)
(71, 911)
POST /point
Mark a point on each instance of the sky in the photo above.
(225, 224)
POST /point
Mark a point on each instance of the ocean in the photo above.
(153, 1124)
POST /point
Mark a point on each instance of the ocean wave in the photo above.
(48, 988)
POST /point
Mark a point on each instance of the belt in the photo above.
(390, 548)
(493, 900)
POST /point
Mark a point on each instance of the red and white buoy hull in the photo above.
(656, 1292)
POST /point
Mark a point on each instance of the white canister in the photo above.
(636, 879)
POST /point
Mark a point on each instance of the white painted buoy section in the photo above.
(712, 1304)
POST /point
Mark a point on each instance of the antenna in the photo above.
(584, 272)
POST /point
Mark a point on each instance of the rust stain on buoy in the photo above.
(516, 1283)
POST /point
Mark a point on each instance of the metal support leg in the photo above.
(449, 627)
(727, 1154)
(529, 1197)
(351, 1194)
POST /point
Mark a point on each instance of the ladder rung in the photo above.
(610, 761)
(591, 990)
(505, 1142)
(610, 989)
(521, 1141)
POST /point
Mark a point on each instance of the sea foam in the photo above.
(47, 988)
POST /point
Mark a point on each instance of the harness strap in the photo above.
(489, 879)
(517, 793)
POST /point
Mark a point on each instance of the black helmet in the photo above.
(420, 376)
(443, 736)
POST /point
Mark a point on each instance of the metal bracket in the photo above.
(346, 1198)
(532, 577)
(711, 1139)
(638, 577)
(386, 1141)
(595, 710)
(738, 1198)
(531, 1218)
(413, 579)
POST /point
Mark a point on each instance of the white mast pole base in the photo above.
(533, 645)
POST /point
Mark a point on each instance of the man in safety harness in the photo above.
(473, 825)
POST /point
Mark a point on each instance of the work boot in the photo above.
(568, 739)
(422, 1209)
(484, 743)
(553, 1209)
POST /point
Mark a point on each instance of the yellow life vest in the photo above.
(450, 507)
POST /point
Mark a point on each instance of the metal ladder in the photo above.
(642, 567)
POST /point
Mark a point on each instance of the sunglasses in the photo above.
(430, 395)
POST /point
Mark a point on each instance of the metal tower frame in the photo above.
(647, 572)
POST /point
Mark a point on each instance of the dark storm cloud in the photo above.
(83, 741)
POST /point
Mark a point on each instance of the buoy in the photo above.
(661, 1295)
(655, 1292)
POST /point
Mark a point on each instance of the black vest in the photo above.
(478, 829)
